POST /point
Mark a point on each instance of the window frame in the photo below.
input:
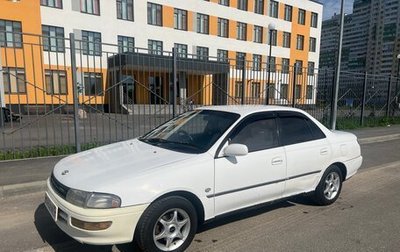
(91, 76)
(241, 31)
(159, 44)
(58, 39)
(259, 7)
(128, 3)
(258, 35)
(224, 2)
(8, 81)
(59, 73)
(288, 15)
(314, 20)
(240, 60)
(243, 5)
(312, 44)
(273, 9)
(121, 41)
(200, 53)
(203, 23)
(157, 10)
(181, 53)
(300, 42)
(180, 19)
(16, 36)
(286, 39)
(223, 23)
(225, 55)
(86, 43)
(301, 18)
(85, 9)
(46, 4)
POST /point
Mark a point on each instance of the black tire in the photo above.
(327, 192)
(150, 225)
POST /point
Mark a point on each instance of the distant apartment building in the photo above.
(212, 30)
(371, 39)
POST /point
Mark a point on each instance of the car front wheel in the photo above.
(329, 188)
(169, 224)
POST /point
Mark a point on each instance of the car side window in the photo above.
(295, 129)
(257, 134)
(316, 131)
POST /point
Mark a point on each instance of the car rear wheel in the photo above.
(169, 224)
(329, 188)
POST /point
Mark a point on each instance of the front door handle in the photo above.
(277, 161)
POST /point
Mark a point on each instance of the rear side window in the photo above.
(298, 129)
(257, 133)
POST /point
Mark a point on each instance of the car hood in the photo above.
(96, 168)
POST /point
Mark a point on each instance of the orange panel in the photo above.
(281, 14)
(250, 30)
(213, 25)
(168, 16)
(232, 29)
(250, 6)
(190, 16)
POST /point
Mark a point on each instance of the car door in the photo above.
(307, 151)
(256, 177)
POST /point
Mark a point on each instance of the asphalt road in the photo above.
(365, 218)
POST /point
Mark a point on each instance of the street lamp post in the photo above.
(271, 28)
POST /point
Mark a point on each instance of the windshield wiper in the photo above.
(157, 141)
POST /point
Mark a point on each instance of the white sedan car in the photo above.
(156, 189)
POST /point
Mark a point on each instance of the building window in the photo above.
(202, 53)
(181, 50)
(302, 17)
(255, 89)
(155, 47)
(126, 44)
(299, 67)
(285, 65)
(56, 82)
(273, 9)
(273, 37)
(309, 94)
(238, 89)
(286, 39)
(311, 68)
(258, 34)
(240, 60)
(10, 33)
(288, 13)
(224, 2)
(125, 9)
(300, 42)
(271, 64)
(284, 91)
(202, 23)
(298, 91)
(259, 6)
(256, 62)
(53, 38)
(241, 31)
(313, 44)
(52, 3)
(222, 55)
(90, 7)
(14, 80)
(223, 27)
(314, 20)
(242, 5)
(180, 19)
(93, 83)
(91, 43)
(154, 14)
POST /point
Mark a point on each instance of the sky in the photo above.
(332, 6)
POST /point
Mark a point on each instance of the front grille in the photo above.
(59, 188)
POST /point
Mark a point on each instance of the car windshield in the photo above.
(192, 132)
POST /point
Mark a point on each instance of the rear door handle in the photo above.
(324, 151)
(277, 161)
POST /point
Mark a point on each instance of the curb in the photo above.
(21, 189)
(40, 186)
(378, 139)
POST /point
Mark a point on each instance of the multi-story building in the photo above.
(371, 39)
(110, 34)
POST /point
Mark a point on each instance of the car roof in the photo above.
(244, 110)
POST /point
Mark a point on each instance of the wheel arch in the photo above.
(342, 169)
(190, 197)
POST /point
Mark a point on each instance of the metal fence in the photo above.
(59, 96)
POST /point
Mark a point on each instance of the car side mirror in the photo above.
(234, 150)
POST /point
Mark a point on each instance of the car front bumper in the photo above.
(123, 220)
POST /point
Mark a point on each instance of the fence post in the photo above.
(2, 98)
(75, 91)
(243, 81)
(389, 90)
(364, 97)
(294, 86)
(174, 79)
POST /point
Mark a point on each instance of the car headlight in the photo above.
(92, 199)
